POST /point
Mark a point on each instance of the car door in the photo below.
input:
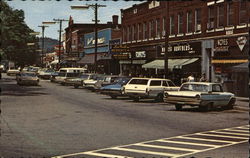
(155, 87)
(218, 96)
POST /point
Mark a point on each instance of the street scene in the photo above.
(92, 79)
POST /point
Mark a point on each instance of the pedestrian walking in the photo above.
(203, 78)
(190, 78)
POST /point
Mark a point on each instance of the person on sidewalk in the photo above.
(203, 78)
(190, 78)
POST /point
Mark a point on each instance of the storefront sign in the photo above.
(140, 54)
(241, 41)
(221, 45)
(184, 49)
(114, 49)
(121, 56)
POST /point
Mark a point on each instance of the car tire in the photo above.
(230, 105)
(136, 99)
(178, 107)
(206, 108)
(76, 86)
(113, 96)
(159, 98)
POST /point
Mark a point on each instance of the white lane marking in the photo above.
(183, 155)
(239, 134)
(216, 135)
(165, 147)
(105, 155)
(243, 127)
(235, 130)
(187, 143)
(145, 151)
(206, 139)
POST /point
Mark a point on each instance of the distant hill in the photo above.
(49, 44)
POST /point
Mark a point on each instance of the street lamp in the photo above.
(60, 27)
(95, 7)
(43, 28)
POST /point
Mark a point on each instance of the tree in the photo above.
(15, 35)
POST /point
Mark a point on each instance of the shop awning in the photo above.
(172, 63)
(228, 61)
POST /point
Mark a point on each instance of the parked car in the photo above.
(12, 72)
(62, 76)
(90, 83)
(45, 73)
(205, 95)
(109, 79)
(27, 78)
(154, 88)
(115, 89)
(53, 76)
(77, 81)
(33, 69)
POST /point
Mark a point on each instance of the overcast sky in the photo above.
(37, 11)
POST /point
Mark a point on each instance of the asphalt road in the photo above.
(52, 120)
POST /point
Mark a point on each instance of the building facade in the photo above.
(204, 37)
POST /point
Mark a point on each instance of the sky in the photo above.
(37, 11)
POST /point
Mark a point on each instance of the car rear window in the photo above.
(139, 81)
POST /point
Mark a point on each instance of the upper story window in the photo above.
(123, 34)
(163, 26)
(243, 12)
(180, 23)
(133, 32)
(220, 12)
(145, 30)
(171, 30)
(138, 31)
(197, 20)
(151, 28)
(230, 13)
(211, 17)
(153, 4)
(128, 32)
(189, 21)
(157, 26)
(135, 11)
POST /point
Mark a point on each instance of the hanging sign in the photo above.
(241, 42)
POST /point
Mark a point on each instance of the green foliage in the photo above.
(15, 35)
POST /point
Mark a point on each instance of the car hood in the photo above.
(112, 87)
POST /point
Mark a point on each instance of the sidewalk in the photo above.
(242, 103)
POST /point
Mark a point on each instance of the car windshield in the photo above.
(50, 70)
(121, 81)
(83, 76)
(93, 77)
(28, 74)
(61, 74)
(194, 87)
(72, 74)
(139, 81)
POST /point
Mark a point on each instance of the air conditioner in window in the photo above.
(163, 33)
(198, 27)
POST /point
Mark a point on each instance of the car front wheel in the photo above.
(178, 107)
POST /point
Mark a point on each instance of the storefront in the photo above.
(228, 53)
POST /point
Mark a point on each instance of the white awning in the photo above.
(172, 63)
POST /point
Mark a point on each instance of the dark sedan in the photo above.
(116, 89)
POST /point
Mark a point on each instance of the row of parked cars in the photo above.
(204, 95)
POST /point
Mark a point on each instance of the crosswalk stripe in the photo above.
(243, 127)
(247, 131)
(231, 133)
(145, 151)
(188, 143)
(208, 139)
(165, 147)
(216, 135)
(105, 155)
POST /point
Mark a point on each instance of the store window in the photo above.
(220, 17)
(211, 17)
(198, 20)
(171, 31)
(157, 30)
(180, 23)
(243, 12)
(230, 14)
(189, 21)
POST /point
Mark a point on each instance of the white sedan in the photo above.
(27, 78)
(205, 95)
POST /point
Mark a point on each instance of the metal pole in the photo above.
(96, 38)
(166, 42)
(59, 54)
(43, 27)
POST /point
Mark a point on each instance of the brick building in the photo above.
(204, 37)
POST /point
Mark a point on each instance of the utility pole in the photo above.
(166, 41)
(95, 7)
(43, 29)
(59, 43)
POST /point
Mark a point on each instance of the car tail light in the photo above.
(198, 96)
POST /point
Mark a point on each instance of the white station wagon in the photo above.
(205, 95)
(154, 88)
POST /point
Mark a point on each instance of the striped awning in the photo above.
(228, 61)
